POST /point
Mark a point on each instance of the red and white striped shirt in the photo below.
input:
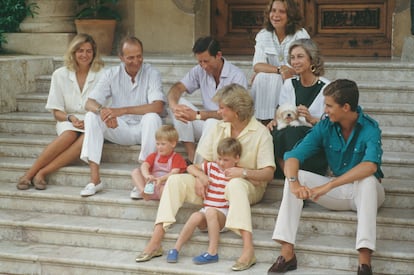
(217, 183)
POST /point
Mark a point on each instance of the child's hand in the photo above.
(150, 178)
(233, 172)
(158, 181)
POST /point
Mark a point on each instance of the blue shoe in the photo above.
(206, 258)
(172, 256)
(149, 188)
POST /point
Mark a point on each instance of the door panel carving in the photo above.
(341, 28)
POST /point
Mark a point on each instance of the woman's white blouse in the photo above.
(269, 50)
(66, 96)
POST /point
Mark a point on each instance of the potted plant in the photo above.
(12, 13)
(98, 18)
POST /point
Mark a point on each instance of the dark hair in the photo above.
(130, 40)
(343, 91)
(206, 43)
(312, 50)
(294, 17)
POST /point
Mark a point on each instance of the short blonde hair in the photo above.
(238, 99)
(167, 132)
(75, 44)
(229, 147)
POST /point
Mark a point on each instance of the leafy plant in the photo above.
(98, 9)
(12, 13)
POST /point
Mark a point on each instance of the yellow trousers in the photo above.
(239, 192)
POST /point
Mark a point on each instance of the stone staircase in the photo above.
(58, 232)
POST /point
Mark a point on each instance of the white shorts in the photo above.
(222, 210)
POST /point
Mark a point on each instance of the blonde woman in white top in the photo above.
(270, 61)
(68, 93)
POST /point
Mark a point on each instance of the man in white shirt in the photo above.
(213, 73)
(137, 101)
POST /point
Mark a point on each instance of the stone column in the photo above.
(412, 17)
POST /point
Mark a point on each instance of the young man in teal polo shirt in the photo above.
(351, 141)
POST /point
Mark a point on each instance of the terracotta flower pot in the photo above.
(102, 30)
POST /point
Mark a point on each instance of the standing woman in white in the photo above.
(68, 93)
(270, 62)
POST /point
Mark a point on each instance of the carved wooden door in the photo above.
(341, 28)
(352, 27)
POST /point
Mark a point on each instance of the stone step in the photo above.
(398, 180)
(62, 197)
(370, 91)
(394, 139)
(394, 164)
(357, 69)
(400, 115)
(32, 258)
(132, 235)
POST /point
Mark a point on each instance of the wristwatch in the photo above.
(198, 115)
(244, 173)
(292, 179)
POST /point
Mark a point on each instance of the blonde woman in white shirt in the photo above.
(68, 93)
(270, 62)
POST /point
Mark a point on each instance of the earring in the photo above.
(313, 68)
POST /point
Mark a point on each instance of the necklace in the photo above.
(280, 49)
(313, 82)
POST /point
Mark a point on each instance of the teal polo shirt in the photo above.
(364, 144)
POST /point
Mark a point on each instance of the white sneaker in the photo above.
(91, 189)
(135, 194)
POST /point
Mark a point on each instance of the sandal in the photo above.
(23, 183)
(39, 184)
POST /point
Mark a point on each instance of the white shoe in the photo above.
(91, 189)
(135, 194)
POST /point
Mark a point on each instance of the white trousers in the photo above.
(96, 132)
(364, 197)
(191, 131)
(265, 92)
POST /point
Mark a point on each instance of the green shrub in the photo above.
(12, 13)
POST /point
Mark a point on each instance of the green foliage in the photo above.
(12, 13)
(98, 9)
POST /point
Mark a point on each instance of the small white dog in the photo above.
(287, 115)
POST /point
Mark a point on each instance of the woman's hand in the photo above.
(286, 72)
(304, 112)
(201, 186)
(272, 124)
(77, 122)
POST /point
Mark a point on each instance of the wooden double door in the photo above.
(341, 28)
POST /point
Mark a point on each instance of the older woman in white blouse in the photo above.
(68, 93)
(270, 61)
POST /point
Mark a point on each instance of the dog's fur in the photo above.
(287, 115)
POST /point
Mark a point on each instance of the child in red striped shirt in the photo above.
(212, 216)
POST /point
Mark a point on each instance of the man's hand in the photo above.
(300, 191)
(184, 113)
(109, 117)
(319, 191)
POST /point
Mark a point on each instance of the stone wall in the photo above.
(18, 75)
(165, 26)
